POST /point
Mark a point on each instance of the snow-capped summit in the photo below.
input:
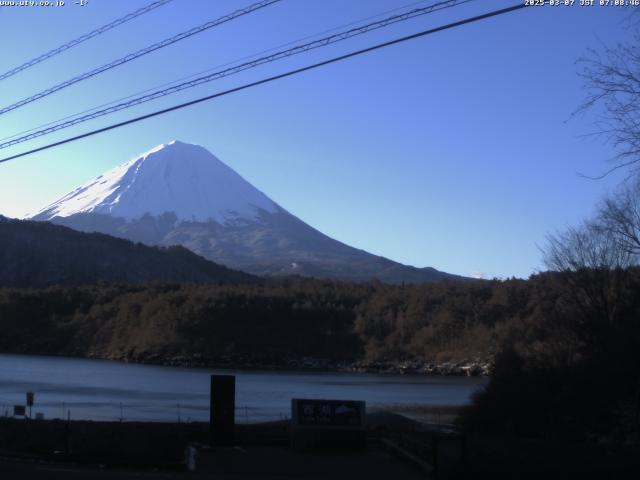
(175, 177)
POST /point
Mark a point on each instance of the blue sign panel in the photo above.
(330, 413)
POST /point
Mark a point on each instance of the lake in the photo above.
(107, 390)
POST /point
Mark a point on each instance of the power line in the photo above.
(87, 36)
(338, 37)
(187, 77)
(132, 56)
(423, 33)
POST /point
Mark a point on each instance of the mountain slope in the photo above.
(38, 254)
(180, 194)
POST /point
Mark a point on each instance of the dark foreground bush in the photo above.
(532, 399)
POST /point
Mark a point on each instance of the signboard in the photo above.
(19, 410)
(327, 423)
(29, 399)
(328, 413)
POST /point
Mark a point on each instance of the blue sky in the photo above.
(455, 151)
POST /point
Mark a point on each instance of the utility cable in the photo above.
(448, 26)
(338, 37)
(87, 36)
(210, 69)
(145, 51)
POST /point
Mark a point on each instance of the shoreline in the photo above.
(468, 368)
(474, 368)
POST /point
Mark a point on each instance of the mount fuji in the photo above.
(181, 194)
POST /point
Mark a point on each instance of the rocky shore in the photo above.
(466, 367)
(469, 368)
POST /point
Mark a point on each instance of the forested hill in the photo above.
(272, 322)
(40, 254)
(260, 324)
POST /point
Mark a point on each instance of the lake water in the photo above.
(106, 390)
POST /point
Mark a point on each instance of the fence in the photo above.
(137, 411)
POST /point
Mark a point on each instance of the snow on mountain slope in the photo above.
(175, 177)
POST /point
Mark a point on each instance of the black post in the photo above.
(223, 409)
(67, 432)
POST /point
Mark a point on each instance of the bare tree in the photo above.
(594, 263)
(619, 215)
(595, 271)
(612, 82)
(587, 247)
